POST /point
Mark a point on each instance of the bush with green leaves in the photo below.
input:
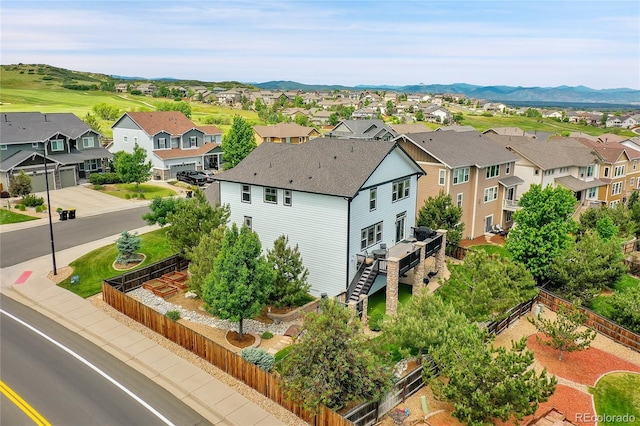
(259, 357)
(103, 178)
(32, 200)
(375, 321)
(267, 335)
(20, 184)
(627, 308)
(174, 315)
(42, 208)
(21, 207)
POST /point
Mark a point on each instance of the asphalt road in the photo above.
(25, 244)
(65, 391)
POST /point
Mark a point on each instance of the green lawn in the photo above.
(378, 300)
(493, 249)
(97, 265)
(149, 192)
(617, 394)
(602, 304)
(7, 217)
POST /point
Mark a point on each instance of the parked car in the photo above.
(193, 177)
(209, 174)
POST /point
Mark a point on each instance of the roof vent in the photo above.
(335, 157)
(309, 177)
(255, 173)
(290, 180)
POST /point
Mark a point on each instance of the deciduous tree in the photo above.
(440, 213)
(241, 279)
(237, 143)
(543, 228)
(333, 364)
(92, 121)
(563, 333)
(290, 285)
(20, 185)
(133, 167)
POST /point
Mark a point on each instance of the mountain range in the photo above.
(532, 95)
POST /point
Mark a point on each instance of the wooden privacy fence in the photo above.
(513, 314)
(600, 324)
(226, 360)
(134, 279)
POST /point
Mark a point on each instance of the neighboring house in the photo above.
(321, 117)
(618, 169)
(284, 133)
(456, 128)
(172, 141)
(436, 114)
(507, 131)
(563, 161)
(365, 113)
(477, 173)
(122, 88)
(374, 130)
(72, 149)
(630, 121)
(293, 113)
(337, 200)
(409, 128)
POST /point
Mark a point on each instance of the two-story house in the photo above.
(172, 141)
(71, 149)
(284, 133)
(561, 161)
(374, 130)
(338, 200)
(478, 174)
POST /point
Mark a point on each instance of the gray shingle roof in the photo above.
(324, 166)
(462, 149)
(75, 157)
(363, 128)
(576, 184)
(22, 127)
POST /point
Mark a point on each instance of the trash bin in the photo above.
(64, 214)
(72, 213)
(189, 194)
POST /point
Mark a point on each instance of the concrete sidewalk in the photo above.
(28, 283)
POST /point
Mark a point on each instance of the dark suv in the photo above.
(193, 177)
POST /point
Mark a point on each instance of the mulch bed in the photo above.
(582, 366)
(568, 401)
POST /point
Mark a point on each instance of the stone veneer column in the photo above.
(365, 305)
(393, 268)
(418, 270)
(441, 254)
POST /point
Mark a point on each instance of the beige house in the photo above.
(284, 133)
(478, 174)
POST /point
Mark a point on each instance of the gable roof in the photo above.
(323, 166)
(166, 154)
(22, 127)
(610, 152)
(409, 128)
(210, 130)
(283, 130)
(462, 149)
(362, 128)
(153, 122)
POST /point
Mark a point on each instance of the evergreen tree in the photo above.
(290, 284)
(237, 143)
(128, 245)
(440, 213)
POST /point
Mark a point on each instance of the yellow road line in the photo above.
(23, 405)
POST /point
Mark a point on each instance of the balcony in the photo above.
(511, 205)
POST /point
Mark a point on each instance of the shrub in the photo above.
(21, 207)
(98, 187)
(267, 335)
(59, 209)
(174, 315)
(375, 321)
(32, 200)
(4, 194)
(104, 178)
(259, 357)
(42, 208)
(141, 196)
(127, 196)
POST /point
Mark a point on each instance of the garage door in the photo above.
(180, 167)
(38, 182)
(67, 178)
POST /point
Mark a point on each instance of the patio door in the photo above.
(488, 223)
(400, 223)
(510, 193)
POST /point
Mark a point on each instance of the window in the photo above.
(618, 171)
(162, 143)
(490, 194)
(3, 147)
(373, 199)
(193, 141)
(287, 197)
(590, 171)
(34, 145)
(93, 164)
(441, 177)
(606, 172)
(371, 235)
(400, 190)
(460, 175)
(135, 139)
(57, 145)
(248, 222)
(459, 199)
(613, 204)
(246, 193)
(550, 172)
(87, 142)
(536, 172)
(634, 164)
(591, 193)
(507, 168)
(493, 171)
(400, 225)
(271, 195)
(564, 169)
(125, 139)
(616, 188)
(632, 181)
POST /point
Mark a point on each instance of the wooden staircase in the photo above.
(365, 282)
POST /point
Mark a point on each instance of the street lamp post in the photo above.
(46, 180)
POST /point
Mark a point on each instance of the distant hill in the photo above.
(552, 95)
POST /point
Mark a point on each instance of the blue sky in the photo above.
(543, 43)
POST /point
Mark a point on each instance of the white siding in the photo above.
(394, 166)
(317, 223)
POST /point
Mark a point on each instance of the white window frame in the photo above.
(88, 142)
(54, 145)
(245, 193)
(460, 175)
(507, 168)
(459, 199)
(287, 197)
(125, 139)
(590, 171)
(3, 147)
(193, 141)
(371, 235)
(606, 172)
(490, 194)
(373, 199)
(493, 171)
(33, 145)
(162, 143)
(271, 195)
(442, 176)
(248, 222)
(616, 188)
(401, 189)
(634, 164)
(94, 164)
(592, 193)
(618, 171)
(632, 182)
